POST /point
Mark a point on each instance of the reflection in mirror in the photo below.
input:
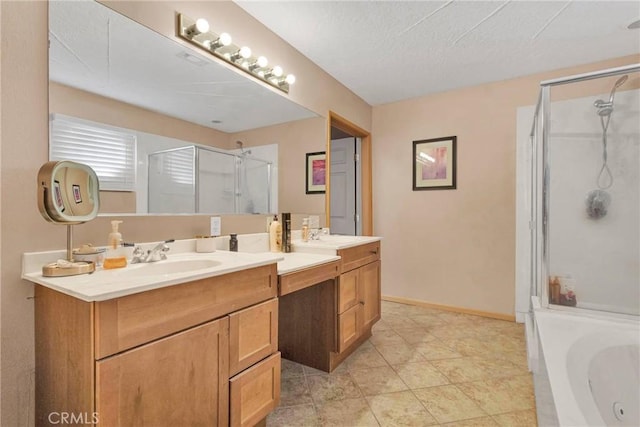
(98, 74)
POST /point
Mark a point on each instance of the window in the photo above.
(109, 151)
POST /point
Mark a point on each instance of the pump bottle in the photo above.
(275, 235)
(114, 257)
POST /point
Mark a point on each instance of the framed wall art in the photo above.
(434, 164)
(316, 173)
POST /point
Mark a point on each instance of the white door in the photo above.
(343, 186)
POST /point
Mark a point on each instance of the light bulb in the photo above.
(224, 39)
(261, 62)
(245, 52)
(202, 26)
(290, 79)
(277, 71)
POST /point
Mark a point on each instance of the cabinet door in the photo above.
(349, 327)
(253, 335)
(348, 290)
(370, 293)
(179, 380)
(255, 392)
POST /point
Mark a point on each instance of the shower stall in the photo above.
(584, 194)
(196, 179)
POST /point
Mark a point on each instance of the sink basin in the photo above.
(168, 267)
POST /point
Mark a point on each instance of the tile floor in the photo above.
(421, 367)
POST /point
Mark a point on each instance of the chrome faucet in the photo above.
(158, 253)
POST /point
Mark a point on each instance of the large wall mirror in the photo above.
(110, 76)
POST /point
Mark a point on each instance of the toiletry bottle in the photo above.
(286, 232)
(305, 230)
(114, 258)
(275, 235)
(554, 291)
(233, 243)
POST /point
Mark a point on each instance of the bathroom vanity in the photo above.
(209, 344)
(197, 337)
(321, 325)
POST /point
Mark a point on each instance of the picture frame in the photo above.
(316, 172)
(77, 195)
(434, 164)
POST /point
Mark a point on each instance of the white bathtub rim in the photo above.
(558, 331)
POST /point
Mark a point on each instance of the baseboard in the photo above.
(499, 316)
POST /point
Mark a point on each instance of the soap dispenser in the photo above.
(114, 258)
(275, 235)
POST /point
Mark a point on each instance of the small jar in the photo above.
(233, 243)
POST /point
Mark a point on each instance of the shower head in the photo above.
(605, 108)
(240, 145)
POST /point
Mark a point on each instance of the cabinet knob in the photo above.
(374, 252)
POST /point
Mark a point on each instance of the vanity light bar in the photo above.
(197, 32)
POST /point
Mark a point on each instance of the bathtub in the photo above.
(586, 368)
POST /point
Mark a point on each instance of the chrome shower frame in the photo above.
(538, 224)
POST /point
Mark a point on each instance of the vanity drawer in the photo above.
(349, 327)
(357, 256)
(255, 392)
(253, 335)
(132, 320)
(348, 290)
(308, 277)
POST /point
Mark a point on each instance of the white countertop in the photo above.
(331, 244)
(294, 261)
(103, 284)
(108, 284)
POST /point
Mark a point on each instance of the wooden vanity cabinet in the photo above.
(358, 297)
(327, 311)
(198, 353)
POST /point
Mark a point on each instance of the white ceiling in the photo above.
(386, 51)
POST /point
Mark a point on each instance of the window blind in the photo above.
(110, 152)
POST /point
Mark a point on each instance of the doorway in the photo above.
(348, 191)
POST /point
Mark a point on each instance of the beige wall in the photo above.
(23, 144)
(456, 247)
(294, 140)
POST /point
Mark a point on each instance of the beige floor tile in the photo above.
(400, 409)
(420, 375)
(333, 387)
(365, 358)
(453, 331)
(428, 320)
(434, 350)
(398, 321)
(498, 367)
(463, 369)
(415, 335)
(526, 418)
(291, 369)
(294, 391)
(447, 403)
(308, 370)
(346, 413)
(400, 353)
(378, 380)
(469, 346)
(380, 325)
(388, 337)
(497, 396)
(453, 317)
(475, 422)
(294, 416)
